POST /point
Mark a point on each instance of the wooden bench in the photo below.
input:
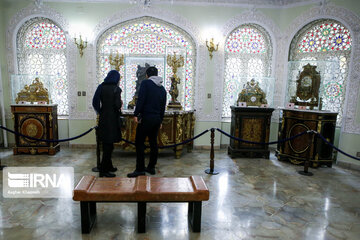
(142, 189)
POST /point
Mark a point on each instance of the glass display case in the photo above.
(312, 84)
(32, 89)
(266, 84)
(132, 67)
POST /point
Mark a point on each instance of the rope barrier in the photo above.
(186, 141)
(337, 149)
(192, 139)
(173, 145)
(262, 143)
(47, 140)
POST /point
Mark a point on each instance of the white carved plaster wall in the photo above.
(43, 11)
(352, 22)
(166, 16)
(253, 16)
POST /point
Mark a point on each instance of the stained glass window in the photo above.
(326, 40)
(248, 54)
(148, 40)
(41, 47)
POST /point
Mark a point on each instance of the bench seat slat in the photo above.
(142, 188)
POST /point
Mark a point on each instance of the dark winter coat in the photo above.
(107, 103)
(151, 100)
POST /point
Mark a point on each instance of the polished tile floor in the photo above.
(249, 199)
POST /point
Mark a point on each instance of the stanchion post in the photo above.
(96, 169)
(1, 166)
(211, 170)
(307, 160)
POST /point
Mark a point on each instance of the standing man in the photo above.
(149, 113)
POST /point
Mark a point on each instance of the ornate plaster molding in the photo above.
(352, 22)
(230, 3)
(166, 16)
(256, 17)
(34, 10)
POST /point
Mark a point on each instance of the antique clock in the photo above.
(307, 87)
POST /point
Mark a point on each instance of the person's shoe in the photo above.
(113, 169)
(150, 170)
(107, 174)
(135, 174)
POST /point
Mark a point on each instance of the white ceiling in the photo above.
(255, 3)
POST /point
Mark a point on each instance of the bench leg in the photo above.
(194, 216)
(141, 217)
(88, 216)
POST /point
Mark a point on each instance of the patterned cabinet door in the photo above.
(250, 124)
(177, 126)
(302, 148)
(36, 121)
(32, 125)
(252, 130)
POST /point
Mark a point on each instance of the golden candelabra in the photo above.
(174, 63)
(211, 48)
(81, 45)
(116, 61)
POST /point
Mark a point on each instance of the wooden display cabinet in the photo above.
(177, 126)
(296, 151)
(251, 124)
(38, 121)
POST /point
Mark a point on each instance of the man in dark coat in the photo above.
(149, 114)
(107, 103)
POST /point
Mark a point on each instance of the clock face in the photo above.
(306, 81)
(253, 99)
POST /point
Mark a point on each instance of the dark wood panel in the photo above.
(297, 150)
(177, 126)
(38, 121)
(251, 124)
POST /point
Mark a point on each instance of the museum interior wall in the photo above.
(201, 22)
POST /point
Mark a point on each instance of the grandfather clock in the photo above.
(38, 121)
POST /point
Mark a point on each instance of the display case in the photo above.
(310, 83)
(27, 88)
(237, 83)
(135, 65)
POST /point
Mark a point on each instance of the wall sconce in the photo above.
(211, 48)
(81, 45)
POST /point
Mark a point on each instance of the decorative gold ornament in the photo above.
(33, 151)
(252, 94)
(116, 61)
(31, 130)
(35, 92)
(174, 63)
(81, 45)
(211, 48)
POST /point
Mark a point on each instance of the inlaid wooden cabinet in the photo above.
(38, 121)
(177, 126)
(296, 151)
(251, 124)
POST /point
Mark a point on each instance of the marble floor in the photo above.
(249, 199)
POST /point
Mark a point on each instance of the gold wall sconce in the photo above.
(211, 47)
(81, 45)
